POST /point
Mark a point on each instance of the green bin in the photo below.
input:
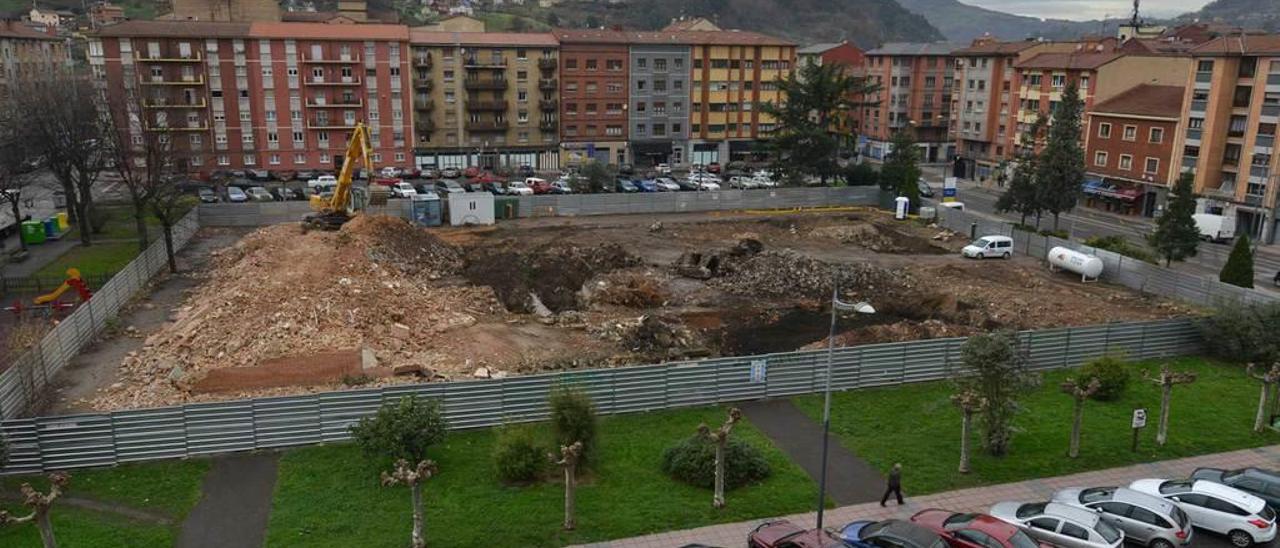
(33, 232)
(506, 208)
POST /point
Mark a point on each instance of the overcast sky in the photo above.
(1089, 9)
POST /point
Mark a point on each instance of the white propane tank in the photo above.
(1088, 267)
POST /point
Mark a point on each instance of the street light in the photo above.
(836, 306)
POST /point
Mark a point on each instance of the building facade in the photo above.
(659, 103)
(594, 79)
(734, 72)
(1129, 148)
(1233, 98)
(26, 55)
(270, 96)
(841, 53)
(916, 83)
(486, 99)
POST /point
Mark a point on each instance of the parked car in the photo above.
(282, 194)
(207, 195)
(259, 174)
(322, 180)
(1264, 484)
(924, 188)
(713, 167)
(667, 184)
(784, 534)
(742, 182)
(1145, 519)
(539, 186)
(448, 186)
(989, 246)
(497, 188)
(1243, 518)
(646, 185)
(625, 185)
(450, 173)
(697, 168)
(972, 530)
(561, 186)
(471, 172)
(663, 169)
(706, 183)
(519, 188)
(423, 188)
(687, 184)
(259, 194)
(894, 533)
(390, 172)
(403, 190)
(429, 173)
(1059, 524)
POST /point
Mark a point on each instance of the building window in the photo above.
(1130, 133)
(660, 65)
(1157, 135)
(1153, 165)
(1104, 130)
(522, 75)
(640, 85)
(522, 54)
(1100, 159)
(1059, 80)
(299, 158)
(1126, 162)
(613, 64)
(592, 64)
(250, 159)
(641, 62)
(571, 64)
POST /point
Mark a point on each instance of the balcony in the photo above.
(422, 61)
(343, 81)
(495, 106)
(485, 85)
(547, 84)
(1253, 200)
(547, 63)
(194, 80)
(318, 123)
(192, 57)
(324, 104)
(338, 60)
(191, 126)
(1225, 191)
(548, 125)
(166, 104)
(424, 125)
(487, 126)
(422, 83)
(549, 105)
(491, 63)
(423, 104)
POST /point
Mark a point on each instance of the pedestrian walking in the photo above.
(894, 484)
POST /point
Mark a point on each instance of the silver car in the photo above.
(1059, 524)
(1145, 519)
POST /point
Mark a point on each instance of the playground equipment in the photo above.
(51, 301)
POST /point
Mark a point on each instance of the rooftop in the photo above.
(1145, 100)
(1069, 61)
(498, 39)
(14, 29)
(996, 48)
(1266, 44)
(207, 29)
(817, 49)
(916, 48)
(673, 37)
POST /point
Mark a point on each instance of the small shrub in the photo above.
(1060, 234)
(573, 419)
(356, 380)
(517, 458)
(1113, 377)
(693, 461)
(1244, 333)
(401, 429)
(1117, 244)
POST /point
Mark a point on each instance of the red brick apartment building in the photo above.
(261, 95)
(1129, 149)
(916, 82)
(594, 78)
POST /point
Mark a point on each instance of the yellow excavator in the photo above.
(332, 211)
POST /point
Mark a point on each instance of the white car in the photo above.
(707, 184)
(323, 181)
(1243, 518)
(519, 188)
(989, 246)
(236, 195)
(390, 172)
(663, 169)
(743, 182)
(1059, 524)
(667, 184)
(403, 190)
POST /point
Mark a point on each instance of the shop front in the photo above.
(1122, 196)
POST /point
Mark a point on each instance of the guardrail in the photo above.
(104, 439)
(26, 382)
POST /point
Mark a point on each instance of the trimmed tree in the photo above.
(569, 458)
(1166, 380)
(1078, 392)
(1060, 170)
(998, 373)
(40, 504)
(720, 437)
(1269, 380)
(900, 172)
(1176, 237)
(1239, 268)
(401, 430)
(969, 402)
(413, 477)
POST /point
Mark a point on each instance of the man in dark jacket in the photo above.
(894, 484)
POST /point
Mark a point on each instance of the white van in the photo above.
(989, 246)
(1215, 228)
(322, 181)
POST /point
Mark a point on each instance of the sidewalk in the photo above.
(977, 499)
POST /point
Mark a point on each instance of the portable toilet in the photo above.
(470, 208)
(32, 232)
(426, 209)
(901, 205)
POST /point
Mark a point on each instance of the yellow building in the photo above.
(734, 73)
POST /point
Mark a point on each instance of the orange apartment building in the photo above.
(916, 84)
(1130, 141)
(261, 95)
(733, 72)
(1234, 106)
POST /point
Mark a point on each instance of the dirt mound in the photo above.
(629, 289)
(877, 236)
(554, 274)
(395, 242)
(788, 273)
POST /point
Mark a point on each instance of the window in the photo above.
(613, 64)
(1075, 531)
(1047, 524)
(571, 64)
(1114, 508)
(522, 75)
(1104, 130)
(1157, 135)
(1152, 165)
(641, 62)
(592, 64)
(522, 54)
(1224, 506)
(1126, 162)
(640, 85)
(1100, 159)
(660, 65)
(1130, 133)
(1148, 517)
(1059, 80)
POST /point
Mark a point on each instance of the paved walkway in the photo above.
(850, 480)
(235, 506)
(977, 499)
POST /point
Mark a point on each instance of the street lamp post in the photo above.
(836, 306)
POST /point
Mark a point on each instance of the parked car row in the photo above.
(1155, 513)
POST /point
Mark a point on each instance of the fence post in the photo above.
(1066, 349)
(1142, 342)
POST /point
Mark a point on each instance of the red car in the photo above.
(471, 172)
(973, 530)
(784, 534)
(714, 167)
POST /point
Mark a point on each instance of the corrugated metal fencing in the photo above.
(25, 384)
(48, 443)
(265, 213)
(1118, 269)
(34, 285)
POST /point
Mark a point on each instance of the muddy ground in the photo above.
(380, 302)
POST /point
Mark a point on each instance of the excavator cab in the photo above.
(334, 210)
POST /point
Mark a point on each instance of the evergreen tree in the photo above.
(1060, 170)
(900, 172)
(1023, 194)
(1239, 268)
(1176, 236)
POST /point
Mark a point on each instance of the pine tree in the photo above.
(1023, 194)
(1176, 236)
(806, 140)
(900, 172)
(1060, 171)
(1239, 268)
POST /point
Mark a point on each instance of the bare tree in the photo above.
(15, 155)
(1166, 381)
(168, 205)
(970, 402)
(1078, 392)
(569, 455)
(1269, 381)
(40, 504)
(144, 157)
(720, 437)
(413, 477)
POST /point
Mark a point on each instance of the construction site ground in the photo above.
(380, 302)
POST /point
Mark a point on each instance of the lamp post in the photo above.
(836, 306)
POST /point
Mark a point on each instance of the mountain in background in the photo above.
(1257, 14)
(962, 22)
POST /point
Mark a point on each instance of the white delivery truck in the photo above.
(1215, 228)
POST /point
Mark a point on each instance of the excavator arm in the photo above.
(333, 211)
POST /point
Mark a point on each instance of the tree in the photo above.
(1269, 381)
(146, 160)
(1239, 268)
(1060, 170)
(553, 19)
(998, 373)
(573, 419)
(401, 430)
(900, 172)
(1176, 236)
(1023, 193)
(570, 455)
(597, 175)
(1078, 392)
(1166, 380)
(820, 99)
(969, 402)
(720, 437)
(15, 157)
(168, 205)
(40, 504)
(413, 477)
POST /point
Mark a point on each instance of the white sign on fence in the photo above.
(759, 370)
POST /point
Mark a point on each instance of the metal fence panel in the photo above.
(148, 434)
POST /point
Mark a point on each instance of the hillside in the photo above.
(1263, 14)
(962, 22)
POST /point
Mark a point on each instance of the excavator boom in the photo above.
(333, 211)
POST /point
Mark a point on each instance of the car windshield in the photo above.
(958, 521)
(1021, 540)
(981, 242)
(1180, 517)
(1170, 487)
(1096, 494)
(872, 528)
(1109, 533)
(1229, 475)
(1029, 510)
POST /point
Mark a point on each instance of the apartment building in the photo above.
(916, 83)
(27, 54)
(659, 100)
(272, 96)
(1233, 93)
(1130, 141)
(486, 99)
(594, 79)
(733, 73)
(983, 105)
(836, 53)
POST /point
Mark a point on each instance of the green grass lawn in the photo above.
(97, 259)
(329, 496)
(919, 427)
(74, 528)
(120, 224)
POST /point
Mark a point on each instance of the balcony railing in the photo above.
(547, 84)
(315, 123)
(192, 57)
(1199, 105)
(166, 104)
(1271, 110)
(547, 63)
(496, 106)
(1253, 200)
(481, 85)
(548, 105)
(487, 126)
(546, 125)
(343, 81)
(423, 83)
(1265, 141)
(198, 126)
(479, 63)
(1224, 191)
(194, 80)
(324, 104)
(423, 104)
(422, 61)
(340, 59)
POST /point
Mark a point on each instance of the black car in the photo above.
(1259, 482)
(925, 189)
(525, 170)
(207, 195)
